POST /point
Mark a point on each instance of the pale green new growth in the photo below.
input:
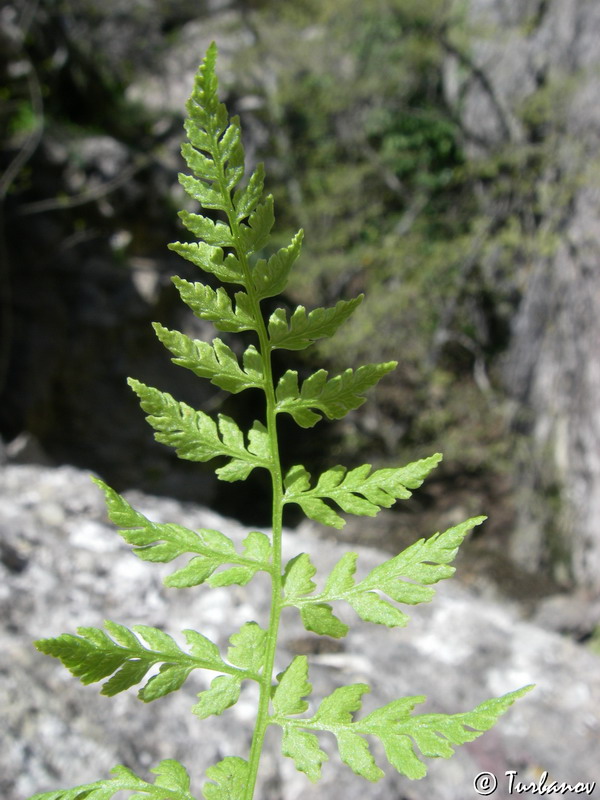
(233, 247)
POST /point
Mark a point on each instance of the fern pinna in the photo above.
(230, 247)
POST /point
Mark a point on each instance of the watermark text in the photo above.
(486, 783)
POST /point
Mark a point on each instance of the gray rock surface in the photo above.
(63, 565)
(533, 83)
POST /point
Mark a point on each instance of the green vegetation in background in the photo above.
(383, 187)
(370, 157)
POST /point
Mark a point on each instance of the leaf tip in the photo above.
(135, 385)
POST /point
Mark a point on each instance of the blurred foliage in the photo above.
(370, 160)
(366, 150)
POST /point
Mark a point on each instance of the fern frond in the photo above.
(164, 542)
(172, 783)
(401, 733)
(93, 655)
(334, 397)
(405, 578)
(303, 329)
(269, 278)
(215, 361)
(233, 246)
(197, 437)
(358, 491)
(217, 307)
(226, 268)
(229, 779)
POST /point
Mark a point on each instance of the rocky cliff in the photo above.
(528, 96)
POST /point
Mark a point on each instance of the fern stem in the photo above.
(263, 717)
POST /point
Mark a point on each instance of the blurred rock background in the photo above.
(64, 565)
(442, 157)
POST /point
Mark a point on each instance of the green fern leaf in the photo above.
(215, 155)
(253, 236)
(230, 151)
(204, 101)
(435, 735)
(247, 650)
(211, 259)
(228, 167)
(270, 278)
(319, 618)
(215, 361)
(228, 577)
(335, 713)
(297, 576)
(196, 437)
(205, 195)
(157, 639)
(201, 647)
(202, 569)
(164, 542)
(400, 732)
(339, 706)
(216, 306)
(427, 561)
(335, 397)
(257, 548)
(303, 329)
(341, 577)
(172, 775)
(224, 692)
(316, 617)
(198, 137)
(216, 234)
(247, 655)
(292, 686)
(358, 491)
(406, 578)
(372, 608)
(230, 778)
(168, 679)
(172, 778)
(202, 166)
(210, 133)
(230, 248)
(93, 655)
(303, 748)
(258, 443)
(246, 199)
(354, 751)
